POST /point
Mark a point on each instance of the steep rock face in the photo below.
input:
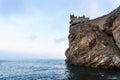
(95, 43)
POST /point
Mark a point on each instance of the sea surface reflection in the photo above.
(52, 70)
(86, 73)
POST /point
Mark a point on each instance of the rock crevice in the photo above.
(95, 43)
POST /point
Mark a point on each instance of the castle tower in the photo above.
(71, 16)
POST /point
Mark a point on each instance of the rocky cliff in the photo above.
(96, 42)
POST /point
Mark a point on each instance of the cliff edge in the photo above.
(95, 43)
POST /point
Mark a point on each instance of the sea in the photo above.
(51, 69)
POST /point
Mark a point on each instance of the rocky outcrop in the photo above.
(95, 43)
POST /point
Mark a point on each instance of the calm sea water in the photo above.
(52, 70)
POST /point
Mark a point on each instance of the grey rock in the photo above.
(95, 43)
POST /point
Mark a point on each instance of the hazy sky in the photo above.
(39, 28)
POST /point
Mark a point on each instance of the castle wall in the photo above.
(75, 19)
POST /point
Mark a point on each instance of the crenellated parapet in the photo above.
(78, 19)
(95, 43)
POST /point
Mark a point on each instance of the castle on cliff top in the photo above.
(75, 19)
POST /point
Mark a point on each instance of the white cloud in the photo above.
(115, 2)
(88, 8)
(34, 31)
(16, 31)
(94, 8)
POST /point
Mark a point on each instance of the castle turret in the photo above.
(75, 19)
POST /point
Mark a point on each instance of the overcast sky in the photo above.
(39, 28)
